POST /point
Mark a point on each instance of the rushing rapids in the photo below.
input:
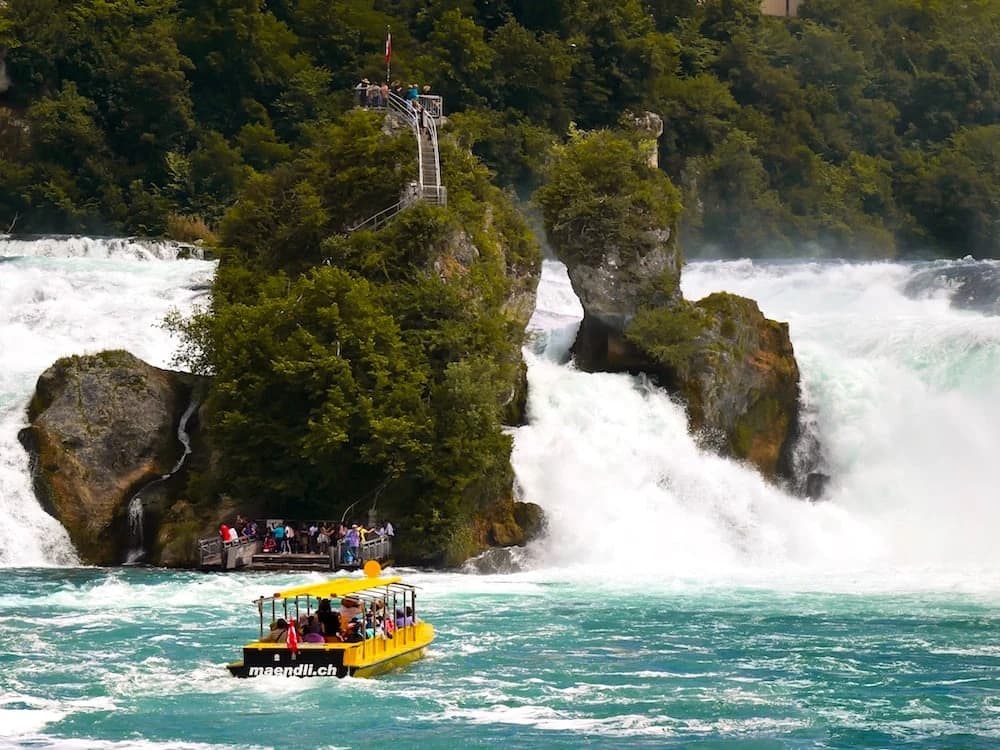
(900, 386)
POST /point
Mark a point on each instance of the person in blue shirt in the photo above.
(279, 537)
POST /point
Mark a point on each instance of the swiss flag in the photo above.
(388, 47)
(292, 640)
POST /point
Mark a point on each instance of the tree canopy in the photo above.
(832, 129)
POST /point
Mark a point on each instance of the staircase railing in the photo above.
(434, 193)
(380, 219)
(431, 191)
(379, 548)
(402, 109)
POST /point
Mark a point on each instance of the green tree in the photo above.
(600, 191)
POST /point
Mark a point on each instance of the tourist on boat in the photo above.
(329, 620)
(404, 618)
(278, 632)
(354, 631)
(349, 609)
(312, 630)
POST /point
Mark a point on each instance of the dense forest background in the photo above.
(379, 368)
(864, 127)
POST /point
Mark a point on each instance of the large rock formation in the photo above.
(102, 427)
(500, 520)
(612, 288)
(735, 371)
(734, 368)
(612, 218)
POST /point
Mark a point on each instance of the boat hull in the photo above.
(365, 659)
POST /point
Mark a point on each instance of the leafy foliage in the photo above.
(600, 191)
(171, 106)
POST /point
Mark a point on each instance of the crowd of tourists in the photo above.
(309, 537)
(376, 95)
(371, 95)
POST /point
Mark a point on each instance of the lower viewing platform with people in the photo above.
(281, 544)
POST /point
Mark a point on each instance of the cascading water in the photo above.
(903, 393)
(66, 296)
(136, 532)
(136, 509)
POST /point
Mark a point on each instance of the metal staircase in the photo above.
(428, 186)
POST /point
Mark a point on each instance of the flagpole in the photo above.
(388, 52)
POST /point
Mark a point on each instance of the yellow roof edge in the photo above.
(336, 588)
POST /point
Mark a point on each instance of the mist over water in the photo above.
(61, 297)
(903, 392)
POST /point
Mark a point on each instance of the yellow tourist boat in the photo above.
(347, 626)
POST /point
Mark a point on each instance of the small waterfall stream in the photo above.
(136, 510)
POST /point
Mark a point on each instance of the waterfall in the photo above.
(136, 533)
(900, 387)
(75, 295)
(136, 510)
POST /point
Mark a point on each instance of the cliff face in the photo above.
(612, 288)
(610, 217)
(734, 369)
(499, 520)
(101, 427)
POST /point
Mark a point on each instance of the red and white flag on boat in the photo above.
(292, 639)
(388, 47)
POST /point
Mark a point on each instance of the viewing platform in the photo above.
(247, 554)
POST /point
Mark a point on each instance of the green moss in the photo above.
(671, 335)
(460, 547)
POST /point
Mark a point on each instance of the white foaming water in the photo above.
(906, 401)
(60, 297)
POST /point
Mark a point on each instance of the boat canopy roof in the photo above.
(336, 588)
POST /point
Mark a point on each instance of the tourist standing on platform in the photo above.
(353, 541)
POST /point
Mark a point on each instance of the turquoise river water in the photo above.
(135, 658)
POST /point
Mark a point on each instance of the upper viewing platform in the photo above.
(368, 95)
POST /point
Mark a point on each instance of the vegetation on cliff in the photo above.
(869, 126)
(368, 367)
(733, 368)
